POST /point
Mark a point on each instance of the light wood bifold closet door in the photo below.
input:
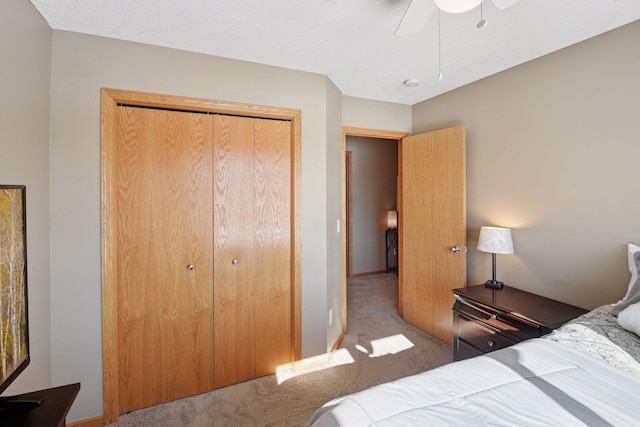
(252, 262)
(204, 259)
(164, 224)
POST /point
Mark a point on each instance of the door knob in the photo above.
(455, 249)
(190, 267)
(235, 262)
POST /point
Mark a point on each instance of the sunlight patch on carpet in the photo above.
(313, 364)
(390, 345)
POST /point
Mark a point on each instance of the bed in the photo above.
(587, 372)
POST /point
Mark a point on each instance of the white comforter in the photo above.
(536, 383)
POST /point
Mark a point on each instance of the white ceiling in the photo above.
(351, 41)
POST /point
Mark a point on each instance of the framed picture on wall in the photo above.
(14, 336)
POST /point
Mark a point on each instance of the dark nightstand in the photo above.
(486, 319)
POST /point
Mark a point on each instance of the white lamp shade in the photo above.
(392, 219)
(456, 6)
(496, 240)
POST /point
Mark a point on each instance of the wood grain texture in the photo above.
(373, 133)
(252, 217)
(164, 224)
(433, 221)
(109, 268)
(88, 422)
(197, 104)
(110, 98)
(234, 229)
(296, 230)
(273, 245)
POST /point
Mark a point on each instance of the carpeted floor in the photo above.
(382, 345)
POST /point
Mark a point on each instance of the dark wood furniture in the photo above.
(52, 412)
(391, 243)
(487, 319)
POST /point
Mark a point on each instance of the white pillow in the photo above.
(629, 318)
(633, 293)
(631, 250)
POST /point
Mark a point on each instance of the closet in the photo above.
(200, 262)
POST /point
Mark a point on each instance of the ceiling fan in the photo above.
(419, 12)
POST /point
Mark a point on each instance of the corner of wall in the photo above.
(334, 215)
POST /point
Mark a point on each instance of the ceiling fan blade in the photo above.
(503, 4)
(415, 17)
(457, 6)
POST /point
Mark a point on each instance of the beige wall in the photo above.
(334, 214)
(83, 64)
(374, 192)
(369, 114)
(552, 151)
(25, 49)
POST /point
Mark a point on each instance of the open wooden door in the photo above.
(432, 208)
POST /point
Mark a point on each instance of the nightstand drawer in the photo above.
(509, 326)
(484, 339)
(466, 351)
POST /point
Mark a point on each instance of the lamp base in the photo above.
(493, 284)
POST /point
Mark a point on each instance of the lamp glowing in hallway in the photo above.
(392, 219)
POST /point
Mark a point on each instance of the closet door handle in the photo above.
(190, 267)
(235, 262)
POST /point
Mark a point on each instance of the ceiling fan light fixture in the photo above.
(456, 6)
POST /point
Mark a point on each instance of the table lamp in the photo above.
(392, 220)
(496, 240)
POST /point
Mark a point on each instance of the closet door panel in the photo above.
(164, 224)
(234, 250)
(273, 244)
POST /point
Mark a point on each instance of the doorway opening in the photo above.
(371, 191)
(347, 205)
